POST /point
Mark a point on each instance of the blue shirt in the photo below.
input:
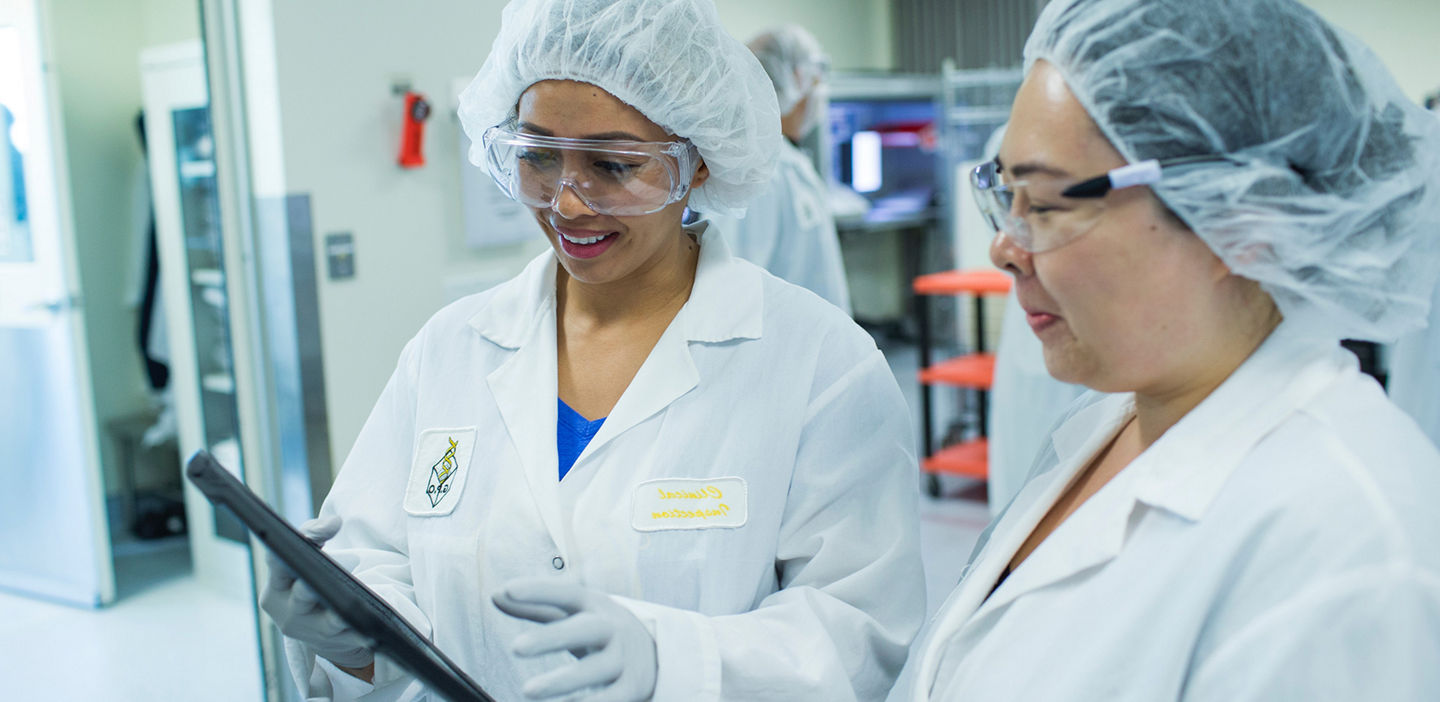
(573, 433)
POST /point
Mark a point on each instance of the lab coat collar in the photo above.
(792, 153)
(513, 312)
(725, 303)
(1069, 550)
(1182, 473)
(525, 387)
(1084, 432)
(1075, 442)
(1186, 468)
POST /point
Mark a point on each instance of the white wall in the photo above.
(340, 129)
(855, 33)
(95, 49)
(1405, 34)
(167, 21)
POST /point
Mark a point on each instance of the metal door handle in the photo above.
(56, 306)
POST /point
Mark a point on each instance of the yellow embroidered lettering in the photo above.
(708, 493)
(719, 511)
(683, 503)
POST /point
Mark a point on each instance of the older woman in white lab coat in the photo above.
(1245, 516)
(742, 524)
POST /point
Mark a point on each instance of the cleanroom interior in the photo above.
(148, 592)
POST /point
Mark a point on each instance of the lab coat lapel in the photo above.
(1181, 473)
(1075, 442)
(668, 373)
(1005, 539)
(1090, 537)
(725, 304)
(1189, 465)
(525, 389)
(522, 317)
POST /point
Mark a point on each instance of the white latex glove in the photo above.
(616, 653)
(300, 613)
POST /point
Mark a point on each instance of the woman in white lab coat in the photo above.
(788, 228)
(742, 523)
(1197, 201)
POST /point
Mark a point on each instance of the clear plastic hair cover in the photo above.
(1330, 197)
(794, 60)
(669, 59)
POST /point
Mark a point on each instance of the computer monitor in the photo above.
(886, 150)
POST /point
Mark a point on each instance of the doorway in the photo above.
(100, 556)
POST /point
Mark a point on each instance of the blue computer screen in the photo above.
(885, 150)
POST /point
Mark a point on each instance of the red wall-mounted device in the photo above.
(412, 136)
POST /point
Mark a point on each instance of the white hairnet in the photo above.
(1333, 197)
(669, 59)
(794, 60)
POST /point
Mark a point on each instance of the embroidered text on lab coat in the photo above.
(687, 503)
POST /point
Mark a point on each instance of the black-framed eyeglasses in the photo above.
(1055, 211)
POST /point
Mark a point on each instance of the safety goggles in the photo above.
(611, 177)
(1044, 213)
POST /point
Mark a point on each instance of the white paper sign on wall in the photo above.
(490, 218)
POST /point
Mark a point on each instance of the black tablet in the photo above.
(392, 635)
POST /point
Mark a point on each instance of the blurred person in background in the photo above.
(788, 228)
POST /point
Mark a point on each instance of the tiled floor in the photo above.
(948, 529)
(169, 638)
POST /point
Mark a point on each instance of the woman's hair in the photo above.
(1329, 191)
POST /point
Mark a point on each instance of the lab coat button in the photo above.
(558, 562)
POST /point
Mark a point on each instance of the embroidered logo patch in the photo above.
(438, 471)
(440, 475)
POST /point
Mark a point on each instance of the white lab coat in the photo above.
(1025, 402)
(1277, 544)
(1414, 380)
(789, 231)
(816, 595)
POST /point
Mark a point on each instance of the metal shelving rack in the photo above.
(974, 103)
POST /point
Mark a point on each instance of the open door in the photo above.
(181, 148)
(54, 538)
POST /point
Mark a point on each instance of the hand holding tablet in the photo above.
(324, 601)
